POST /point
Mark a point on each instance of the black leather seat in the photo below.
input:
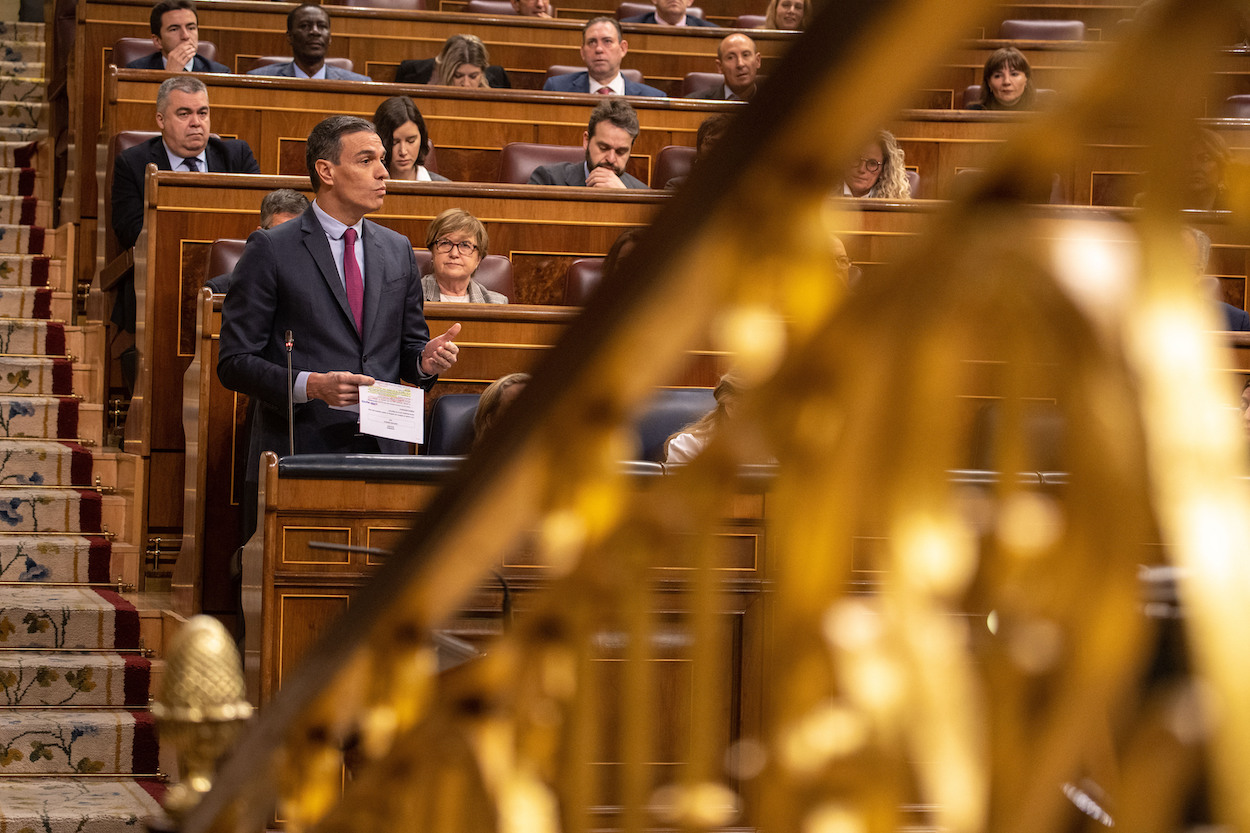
(451, 425)
(670, 411)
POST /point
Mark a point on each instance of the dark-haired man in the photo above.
(308, 33)
(349, 292)
(608, 140)
(175, 28)
(603, 48)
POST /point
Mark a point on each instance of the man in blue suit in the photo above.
(175, 28)
(603, 48)
(308, 33)
(349, 292)
(670, 13)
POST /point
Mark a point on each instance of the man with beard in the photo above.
(308, 33)
(739, 62)
(608, 140)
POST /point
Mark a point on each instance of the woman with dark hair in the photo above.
(788, 14)
(1006, 82)
(405, 140)
(879, 171)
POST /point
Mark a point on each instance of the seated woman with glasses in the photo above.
(457, 241)
(879, 171)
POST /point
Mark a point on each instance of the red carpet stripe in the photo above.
(36, 241)
(54, 339)
(99, 560)
(23, 156)
(144, 752)
(126, 627)
(39, 271)
(28, 210)
(67, 419)
(156, 789)
(26, 181)
(79, 465)
(62, 377)
(90, 511)
(43, 304)
(137, 678)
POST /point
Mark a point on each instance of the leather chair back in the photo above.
(972, 94)
(117, 143)
(671, 161)
(494, 272)
(451, 424)
(496, 8)
(749, 21)
(581, 280)
(913, 179)
(628, 9)
(266, 60)
(403, 5)
(1237, 107)
(223, 255)
(518, 160)
(697, 82)
(132, 49)
(568, 69)
(670, 411)
(1042, 30)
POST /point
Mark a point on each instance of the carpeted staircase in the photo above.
(78, 751)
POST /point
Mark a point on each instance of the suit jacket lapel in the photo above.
(319, 247)
(375, 275)
(158, 155)
(215, 153)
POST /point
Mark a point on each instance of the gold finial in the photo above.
(201, 707)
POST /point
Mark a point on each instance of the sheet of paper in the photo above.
(394, 412)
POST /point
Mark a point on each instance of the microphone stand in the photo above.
(290, 392)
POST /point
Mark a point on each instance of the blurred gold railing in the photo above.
(998, 657)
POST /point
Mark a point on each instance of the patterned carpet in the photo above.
(77, 745)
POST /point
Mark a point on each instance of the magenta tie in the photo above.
(604, 91)
(355, 284)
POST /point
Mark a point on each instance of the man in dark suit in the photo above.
(608, 140)
(603, 48)
(670, 13)
(184, 145)
(276, 208)
(739, 62)
(308, 33)
(349, 292)
(175, 28)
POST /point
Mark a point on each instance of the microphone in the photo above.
(290, 392)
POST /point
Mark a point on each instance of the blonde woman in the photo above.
(879, 171)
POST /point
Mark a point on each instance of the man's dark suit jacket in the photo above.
(716, 93)
(198, 64)
(231, 156)
(572, 173)
(579, 82)
(649, 17)
(287, 279)
(287, 70)
(421, 71)
(1235, 320)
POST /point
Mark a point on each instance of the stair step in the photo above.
(68, 618)
(47, 463)
(25, 211)
(32, 271)
(24, 32)
(24, 69)
(43, 417)
(60, 510)
(19, 48)
(21, 83)
(33, 337)
(59, 558)
(24, 182)
(90, 805)
(64, 741)
(116, 680)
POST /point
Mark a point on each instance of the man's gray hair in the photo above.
(281, 201)
(182, 83)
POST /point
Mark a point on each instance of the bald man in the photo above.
(739, 62)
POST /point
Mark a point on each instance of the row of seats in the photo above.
(494, 272)
(451, 421)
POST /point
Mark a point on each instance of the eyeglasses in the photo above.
(444, 246)
(843, 261)
(870, 165)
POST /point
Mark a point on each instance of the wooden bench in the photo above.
(275, 115)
